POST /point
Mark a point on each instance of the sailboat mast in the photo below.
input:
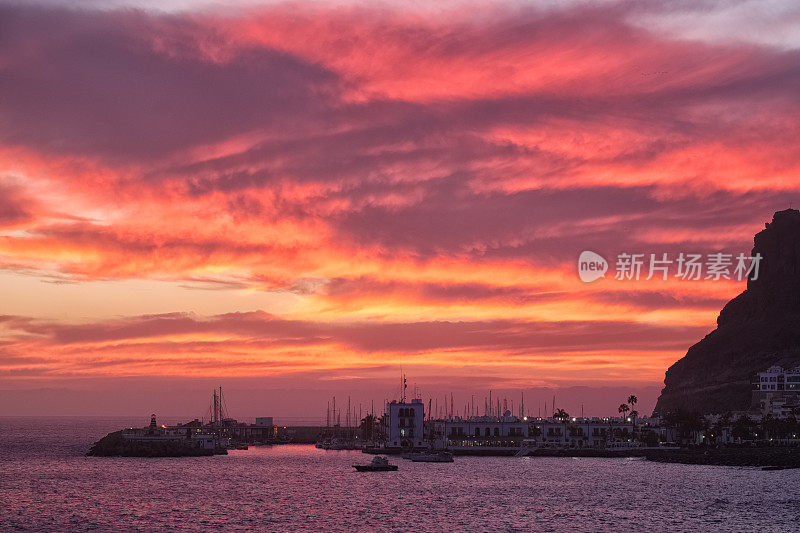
(215, 411)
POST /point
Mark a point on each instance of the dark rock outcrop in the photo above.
(757, 329)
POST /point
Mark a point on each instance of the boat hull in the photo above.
(371, 468)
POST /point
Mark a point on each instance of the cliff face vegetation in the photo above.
(757, 329)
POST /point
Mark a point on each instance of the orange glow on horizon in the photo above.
(289, 191)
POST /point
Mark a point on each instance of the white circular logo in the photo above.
(591, 266)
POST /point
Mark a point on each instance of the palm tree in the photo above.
(562, 415)
(633, 400)
(367, 427)
(634, 414)
(688, 424)
(623, 408)
(743, 428)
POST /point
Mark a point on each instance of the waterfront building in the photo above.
(407, 430)
(775, 378)
(779, 406)
(508, 433)
(481, 432)
(406, 421)
(776, 392)
(231, 429)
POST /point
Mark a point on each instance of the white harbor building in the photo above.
(408, 430)
(406, 425)
(509, 433)
(776, 392)
(775, 378)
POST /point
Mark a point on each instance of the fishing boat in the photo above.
(378, 464)
(432, 457)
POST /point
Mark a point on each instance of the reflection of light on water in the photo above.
(286, 487)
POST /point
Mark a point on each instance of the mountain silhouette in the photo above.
(757, 329)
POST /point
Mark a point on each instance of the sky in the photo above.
(301, 200)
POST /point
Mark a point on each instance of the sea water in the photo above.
(47, 483)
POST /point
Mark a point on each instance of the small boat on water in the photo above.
(432, 457)
(378, 464)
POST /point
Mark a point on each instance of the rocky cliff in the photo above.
(757, 329)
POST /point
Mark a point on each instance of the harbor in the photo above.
(399, 266)
(407, 428)
(259, 488)
(194, 438)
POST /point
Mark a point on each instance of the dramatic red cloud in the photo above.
(373, 187)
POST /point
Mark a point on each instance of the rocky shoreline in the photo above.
(767, 456)
(762, 456)
(778, 457)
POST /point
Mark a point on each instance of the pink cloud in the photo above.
(411, 185)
